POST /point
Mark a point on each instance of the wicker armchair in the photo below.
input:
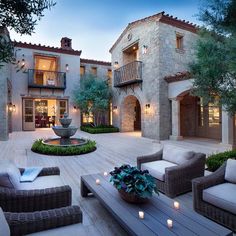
(213, 212)
(12, 200)
(177, 179)
(26, 223)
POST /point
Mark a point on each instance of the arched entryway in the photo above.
(197, 120)
(131, 114)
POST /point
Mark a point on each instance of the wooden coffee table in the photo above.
(186, 222)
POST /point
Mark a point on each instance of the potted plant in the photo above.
(134, 185)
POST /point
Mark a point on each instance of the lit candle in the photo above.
(141, 214)
(97, 181)
(105, 173)
(169, 223)
(176, 205)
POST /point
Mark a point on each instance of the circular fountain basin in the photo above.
(65, 142)
(64, 132)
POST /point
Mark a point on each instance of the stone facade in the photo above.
(68, 61)
(161, 59)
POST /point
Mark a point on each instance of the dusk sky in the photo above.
(94, 25)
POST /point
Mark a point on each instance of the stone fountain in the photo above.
(65, 132)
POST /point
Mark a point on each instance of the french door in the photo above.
(28, 115)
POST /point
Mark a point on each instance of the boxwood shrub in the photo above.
(99, 129)
(214, 161)
(41, 148)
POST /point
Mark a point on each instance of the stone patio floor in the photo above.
(112, 150)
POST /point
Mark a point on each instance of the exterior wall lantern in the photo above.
(116, 65)
(144, 49)
(147, 108)
(115, 108)
(11, 107)
(67, 67)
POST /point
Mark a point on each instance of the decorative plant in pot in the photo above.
(134, 185)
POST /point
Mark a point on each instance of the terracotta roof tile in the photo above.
(179, 76)
(95, 62)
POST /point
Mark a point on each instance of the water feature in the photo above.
(65, 132)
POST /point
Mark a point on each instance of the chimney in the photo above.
(66, 43)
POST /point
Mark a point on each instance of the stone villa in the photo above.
(148, 74)
(39, 94)
(151, 83)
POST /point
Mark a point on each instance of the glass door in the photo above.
(28, 115)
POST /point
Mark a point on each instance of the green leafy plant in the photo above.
(215, 161)
(133, 181)
(39, 147)
(99, 129)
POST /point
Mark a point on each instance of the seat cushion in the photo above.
(9, 174)
(230, 173)
(157, 168)
(42, 182)
(4, 227)
(176, 155)
(70, 230)
(222, 196)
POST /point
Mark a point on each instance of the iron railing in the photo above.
(46, 79)
(128, 74)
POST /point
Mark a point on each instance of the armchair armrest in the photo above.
(148, 158)
(26, 223)
(178, 178)
(46, 171)
(199, 184)
(35, 200)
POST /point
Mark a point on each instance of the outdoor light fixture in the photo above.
(23, 62)
(116, 64)
(147, 107)
(11, 107)
(67, 67)
(144, 49)
(114, 108)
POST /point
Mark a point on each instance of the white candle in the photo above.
(141, 214)
(169, 223)
(97, 181)
(176, 205)
(105, 173)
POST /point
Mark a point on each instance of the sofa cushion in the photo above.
(176, 155)
(70, 230)
(42, 182)
(157, 168)
(4, 227)
(9, 174)
(222, 196)
(230, 171)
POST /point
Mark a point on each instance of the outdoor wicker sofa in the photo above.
(173, 168)
(214, 197)
(60, 221)
(46, 192)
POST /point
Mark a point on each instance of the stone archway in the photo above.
(131, 114)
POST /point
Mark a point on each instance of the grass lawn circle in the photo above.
(39, 147)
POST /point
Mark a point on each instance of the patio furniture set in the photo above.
(45, 204)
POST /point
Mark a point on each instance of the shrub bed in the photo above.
(99, 129)
(213, 162)
(41, 148)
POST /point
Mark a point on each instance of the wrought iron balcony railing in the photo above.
(128, 74)
(46, 79)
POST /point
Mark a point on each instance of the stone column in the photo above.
(175, 103)
(227, 129)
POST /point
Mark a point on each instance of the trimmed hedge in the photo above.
(41, 148)
(213, 162)
(99, 129)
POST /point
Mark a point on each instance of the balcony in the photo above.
(128, 74)
(46, 79)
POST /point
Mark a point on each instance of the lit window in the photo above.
(214, 115)
(94, 70)
(179, 41)
(82, 70)
(200, 113)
